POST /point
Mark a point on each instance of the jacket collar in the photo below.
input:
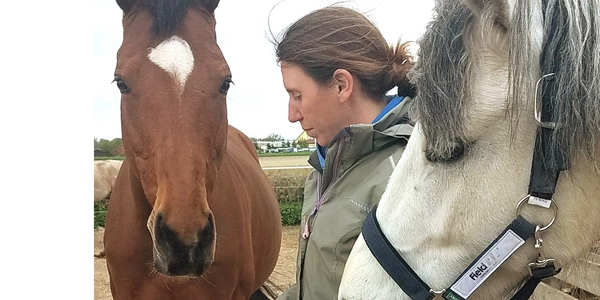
(361, 139)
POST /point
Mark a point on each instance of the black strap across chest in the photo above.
(391, 261)
(412, 285)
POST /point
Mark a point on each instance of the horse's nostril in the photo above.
(207, 234)
(164, 234)
(176, 258)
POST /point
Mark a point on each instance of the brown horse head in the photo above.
(173, 80)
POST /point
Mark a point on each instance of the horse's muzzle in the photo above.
(173, 257)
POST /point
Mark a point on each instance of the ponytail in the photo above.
(402, 62)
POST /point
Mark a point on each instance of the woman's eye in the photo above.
(121, 85)
(225, 85)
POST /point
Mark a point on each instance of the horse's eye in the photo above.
(225, 85)
(121, 85)
(456, 153)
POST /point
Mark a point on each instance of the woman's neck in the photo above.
(364, 110)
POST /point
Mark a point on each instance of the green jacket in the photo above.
(359, 161)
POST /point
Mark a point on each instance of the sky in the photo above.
(257, 102)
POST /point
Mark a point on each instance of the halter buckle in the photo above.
(541, 260)
(437, 294)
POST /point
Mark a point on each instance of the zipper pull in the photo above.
(306, 232)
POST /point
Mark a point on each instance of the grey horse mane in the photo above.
(443, 72)
(440, 76)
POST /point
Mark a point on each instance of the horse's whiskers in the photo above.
(153, 271)
(150, 224)
(206, 279)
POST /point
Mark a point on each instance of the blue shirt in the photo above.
(393, 101)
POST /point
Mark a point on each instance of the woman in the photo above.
(337, 68)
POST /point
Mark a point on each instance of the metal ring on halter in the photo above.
(537, 106)
(551, 205)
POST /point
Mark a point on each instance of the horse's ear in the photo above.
(499, 9)
(126, 5)
(210, 5)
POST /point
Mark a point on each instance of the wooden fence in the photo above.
(578, 281)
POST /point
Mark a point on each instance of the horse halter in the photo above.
(546, 167)
(548, 161)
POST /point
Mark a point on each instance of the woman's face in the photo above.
(315, 106)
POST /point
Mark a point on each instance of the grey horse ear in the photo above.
(500, 10)
(210, 5)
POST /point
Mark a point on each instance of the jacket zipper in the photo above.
(321, 196)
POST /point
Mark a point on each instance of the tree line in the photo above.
(114, 147)
(104, 147)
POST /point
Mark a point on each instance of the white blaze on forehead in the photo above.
(175, 57)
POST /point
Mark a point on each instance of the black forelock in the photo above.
(167, 14)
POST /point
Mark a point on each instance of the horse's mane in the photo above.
(167, 14)
(443, 71)
(440, 75)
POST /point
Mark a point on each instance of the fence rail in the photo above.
(286, 168)
(580, 280)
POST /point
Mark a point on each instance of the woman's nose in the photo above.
(294, 114)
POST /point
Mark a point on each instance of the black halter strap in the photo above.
(548, 157)
(391, 261)
(404, 276)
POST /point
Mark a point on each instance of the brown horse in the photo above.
(192, 215)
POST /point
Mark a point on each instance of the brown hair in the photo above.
(336, 37)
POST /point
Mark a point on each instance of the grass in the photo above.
(290, 213)
(100, 209)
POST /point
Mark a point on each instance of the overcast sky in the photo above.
(257, 103)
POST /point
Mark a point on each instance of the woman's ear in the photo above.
(343, 82)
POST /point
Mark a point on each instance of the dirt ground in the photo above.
(282, 276)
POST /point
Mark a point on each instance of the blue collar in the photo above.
(322, 152)
(393, 101)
